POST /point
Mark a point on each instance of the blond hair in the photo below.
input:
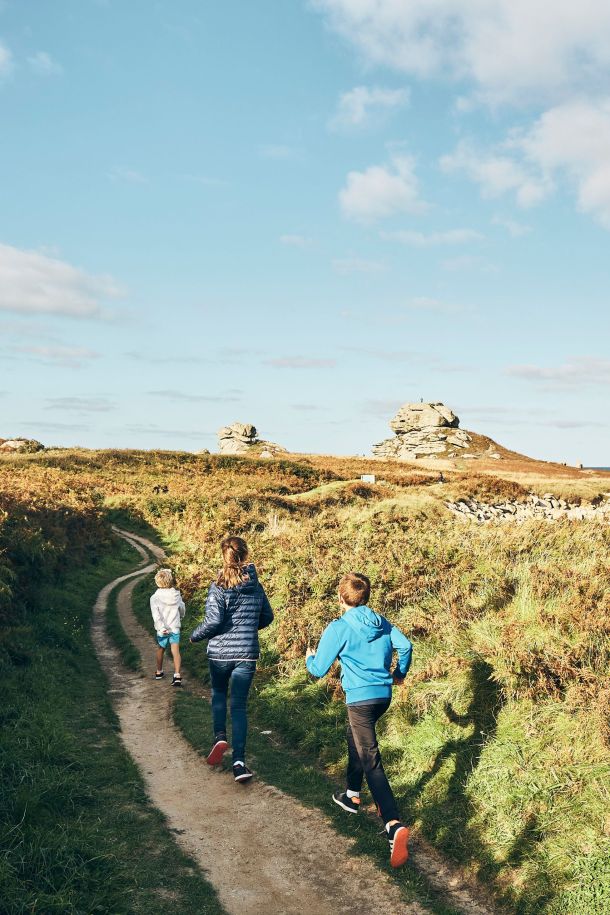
(164, 578)
(354, 589)
(234, 558)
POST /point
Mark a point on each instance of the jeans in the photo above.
(239, 675)
(364, 758)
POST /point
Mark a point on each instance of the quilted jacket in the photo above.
(232, 619)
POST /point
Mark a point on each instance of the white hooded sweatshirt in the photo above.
(167, 608)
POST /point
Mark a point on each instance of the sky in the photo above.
(302, 214)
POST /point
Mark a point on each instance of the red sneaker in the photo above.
(214, 757)
(398, 837)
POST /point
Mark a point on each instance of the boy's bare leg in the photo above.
(176, 657)
(160, 653)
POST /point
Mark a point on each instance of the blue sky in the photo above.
(301, 215)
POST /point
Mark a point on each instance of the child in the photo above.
(235, 609)
(167, 608)
(364, 641)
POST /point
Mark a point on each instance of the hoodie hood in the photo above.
(365, 621)
(169, 597)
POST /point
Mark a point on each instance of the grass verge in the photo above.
(130, 656)
(77, 834)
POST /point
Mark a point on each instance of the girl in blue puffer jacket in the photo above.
(236, 608)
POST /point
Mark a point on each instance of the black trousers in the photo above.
(364, 758)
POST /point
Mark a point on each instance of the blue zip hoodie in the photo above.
(363, 641)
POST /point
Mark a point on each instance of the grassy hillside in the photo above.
(499, 742)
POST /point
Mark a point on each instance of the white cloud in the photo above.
(574, 138)
(296, 241)
(44, 65)
(180, 396)
(68, 356)
(427, 240)
(507, 50)
(581, 370)
(32, 283)
(514, 228)
(300, 362)
(348, 265)
(80, 404)
(381, 191)
(497, 172)
(279, 152)
(360, 105)
(130, 175)
(6, 60)
(469, 262)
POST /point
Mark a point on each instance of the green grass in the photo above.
(130, 656)
(77, 834)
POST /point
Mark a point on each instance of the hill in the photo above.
(499, 743)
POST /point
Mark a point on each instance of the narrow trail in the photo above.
(263, 851)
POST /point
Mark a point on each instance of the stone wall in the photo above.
(547, 508)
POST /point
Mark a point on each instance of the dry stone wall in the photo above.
(547, 508)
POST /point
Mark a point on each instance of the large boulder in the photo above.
(242, 438)
(20, 446)
(423, 430)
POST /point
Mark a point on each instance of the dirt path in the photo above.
(264, 852)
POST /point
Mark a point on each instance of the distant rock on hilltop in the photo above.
(20, 446)
(427, 430)
(241, 438)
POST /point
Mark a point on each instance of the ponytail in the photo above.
(234, 557)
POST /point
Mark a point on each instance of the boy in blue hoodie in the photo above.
(364, 642)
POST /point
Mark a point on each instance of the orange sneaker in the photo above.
(398, 837)
(214, 757)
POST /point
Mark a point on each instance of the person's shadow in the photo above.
(447, 814)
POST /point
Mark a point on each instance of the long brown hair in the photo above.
(234, 558)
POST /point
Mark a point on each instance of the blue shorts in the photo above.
(172, 639)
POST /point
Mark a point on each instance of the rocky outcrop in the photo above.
(241, 438)
(20, 446)
(424, 430)
(547, 508)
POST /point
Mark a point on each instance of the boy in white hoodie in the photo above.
(167, 608)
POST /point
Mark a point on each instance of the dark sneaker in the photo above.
(214, 757)
(398, 837)
(351, 804)
(177, 680)
(159, 674)
(241, 773)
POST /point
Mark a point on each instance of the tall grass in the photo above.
(499, 741)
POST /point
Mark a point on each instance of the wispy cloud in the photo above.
(33, 283)
(150, 429)
(187, 397)
(129, 175)
(44, 65)
(580, 371)
(65, 356)
(469, 262)
(381, 191)
(430, 360)
(6, 61)
(363, 105)
(300, 362)
(36, 426)
(279, 152)
(347, 265)
(498, 172)
(431, 239)
(296, 241)
(515, 229)
(80, 404)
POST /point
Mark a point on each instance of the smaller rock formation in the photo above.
(422, 430)
(20, 446)
(241, 438)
